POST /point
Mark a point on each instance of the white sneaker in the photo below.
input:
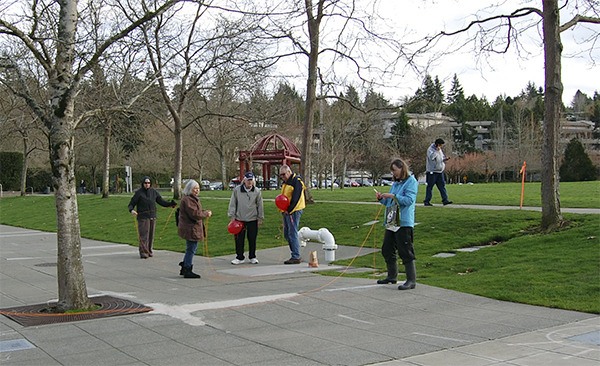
(254, 261)
(237, 261)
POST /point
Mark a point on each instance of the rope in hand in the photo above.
(354, 258)
(167, 222)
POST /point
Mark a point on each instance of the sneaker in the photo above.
(447, 203)
(293, 261)
(237, 261)
(427, 204)
(253, 261)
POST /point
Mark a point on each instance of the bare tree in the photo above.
(51, 39)
(185, 53)
(18, 122)
(497, 33)
(331, 36)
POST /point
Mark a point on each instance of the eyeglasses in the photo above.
(146, 182)
(282, 175)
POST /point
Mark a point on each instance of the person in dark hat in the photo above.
(143, 207)
(436, 163)
(246, 205)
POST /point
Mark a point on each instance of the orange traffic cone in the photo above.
(313, 260)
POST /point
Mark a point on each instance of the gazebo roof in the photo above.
(273, 142)
(272, 147)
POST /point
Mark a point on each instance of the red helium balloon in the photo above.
(235, 227)
(282, 202)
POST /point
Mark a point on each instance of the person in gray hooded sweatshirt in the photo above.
(143, 207)
(435, 165)
(246, 205)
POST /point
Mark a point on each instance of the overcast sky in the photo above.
(498, 74)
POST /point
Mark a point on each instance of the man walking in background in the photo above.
(436, 163)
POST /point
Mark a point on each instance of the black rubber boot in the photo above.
(181, 270)
(411, 277)
(187, 273)
(392, 277)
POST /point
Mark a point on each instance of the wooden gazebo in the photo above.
(270, 150)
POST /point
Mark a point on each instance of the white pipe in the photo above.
(322, 236)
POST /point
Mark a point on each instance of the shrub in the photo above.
(11, 164)
(577, 165)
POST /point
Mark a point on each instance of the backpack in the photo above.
(177, 217)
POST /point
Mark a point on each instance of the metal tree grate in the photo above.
(31, 315)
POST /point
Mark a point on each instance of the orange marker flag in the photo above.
(523, 174)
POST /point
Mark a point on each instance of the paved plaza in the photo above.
(270, 314)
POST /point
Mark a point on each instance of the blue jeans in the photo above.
(290, 232)
(190, 251)
(439, 180)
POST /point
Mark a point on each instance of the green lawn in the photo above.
(518, 264)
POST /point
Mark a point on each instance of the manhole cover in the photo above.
(38, 315)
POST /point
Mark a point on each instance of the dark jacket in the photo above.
(191, 226)
(146, 200)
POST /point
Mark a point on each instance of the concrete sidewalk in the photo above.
(270, 314)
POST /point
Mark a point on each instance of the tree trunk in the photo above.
(223, 169)
(24, 167)
(106, 169)
(72, 291)
(551, 215)
(314, 22)
(178, 160)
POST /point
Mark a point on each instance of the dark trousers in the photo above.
(400, 242)
(146, 229)
(439, 180)
(250, 230)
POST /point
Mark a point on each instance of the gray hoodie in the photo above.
(435, 160)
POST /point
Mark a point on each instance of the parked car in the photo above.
(205, 185)
(364, 182)
(216, 186)
(327, 184)
(234, 183)
(351, 183)
(272, 183)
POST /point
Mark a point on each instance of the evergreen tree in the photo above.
(577, 165)
(429, 98)
(456, 101)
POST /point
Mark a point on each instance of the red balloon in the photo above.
(235, 227)
(282, 202)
